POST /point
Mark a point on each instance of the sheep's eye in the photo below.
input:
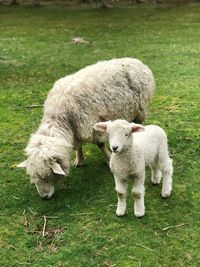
(126, 134)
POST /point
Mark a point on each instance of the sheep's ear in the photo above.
(22, 164)
(101, 126)
(56, 168)
(137, 127)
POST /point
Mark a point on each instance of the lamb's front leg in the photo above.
(138, 194)
(121, 187)
(79, 157)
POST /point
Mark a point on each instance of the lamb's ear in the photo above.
(101, 126)
(137, 127)
(56, 168)
(22, 164)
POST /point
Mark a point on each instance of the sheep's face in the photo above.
(45, 189)
(43, 173)
(119, 132)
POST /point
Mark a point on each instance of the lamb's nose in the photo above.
(114, 148)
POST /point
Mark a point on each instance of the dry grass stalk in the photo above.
(174, 226)
(44, 226)
(34, 106)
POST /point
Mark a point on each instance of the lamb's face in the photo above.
(119, 132)
(43, 173)
(120, 136)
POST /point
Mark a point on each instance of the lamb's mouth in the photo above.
(115, 150)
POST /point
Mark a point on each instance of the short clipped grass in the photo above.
(82, 229)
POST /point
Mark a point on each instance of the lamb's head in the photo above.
(119, 132)
(48, 159)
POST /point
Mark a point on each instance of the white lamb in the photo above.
(131, 153)
(100, 92)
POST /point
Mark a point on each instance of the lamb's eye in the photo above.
(126, 134)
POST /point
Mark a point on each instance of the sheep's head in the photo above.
(119, 132)
(47, 161)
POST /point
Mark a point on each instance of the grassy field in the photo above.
(82, 229)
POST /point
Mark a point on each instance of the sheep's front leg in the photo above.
(79, 157)
(138, 194)
(121, 187)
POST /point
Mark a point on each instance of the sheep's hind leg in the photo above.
(105, 150)
(141, 116)
(156, 174)
(121, 187)
(138, 194)
(79, 157)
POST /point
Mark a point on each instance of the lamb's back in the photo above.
(149, 141)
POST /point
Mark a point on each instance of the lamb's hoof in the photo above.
(166, 194)
(155, 182)
(120, 213)
(139, 214)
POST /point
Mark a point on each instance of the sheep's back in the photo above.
(108, 90)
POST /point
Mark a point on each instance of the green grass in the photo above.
(35, 50)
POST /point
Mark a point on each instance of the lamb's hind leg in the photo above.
(141, 116)
(79, 157)
(166, 167)
(167, 171)
(156, 174)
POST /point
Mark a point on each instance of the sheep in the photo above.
(100, 92)
(131, 153)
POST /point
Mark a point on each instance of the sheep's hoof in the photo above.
(78, 164)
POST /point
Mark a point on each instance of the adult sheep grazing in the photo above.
(131, 153)
(118, 88)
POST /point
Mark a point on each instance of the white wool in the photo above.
(47, 146)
